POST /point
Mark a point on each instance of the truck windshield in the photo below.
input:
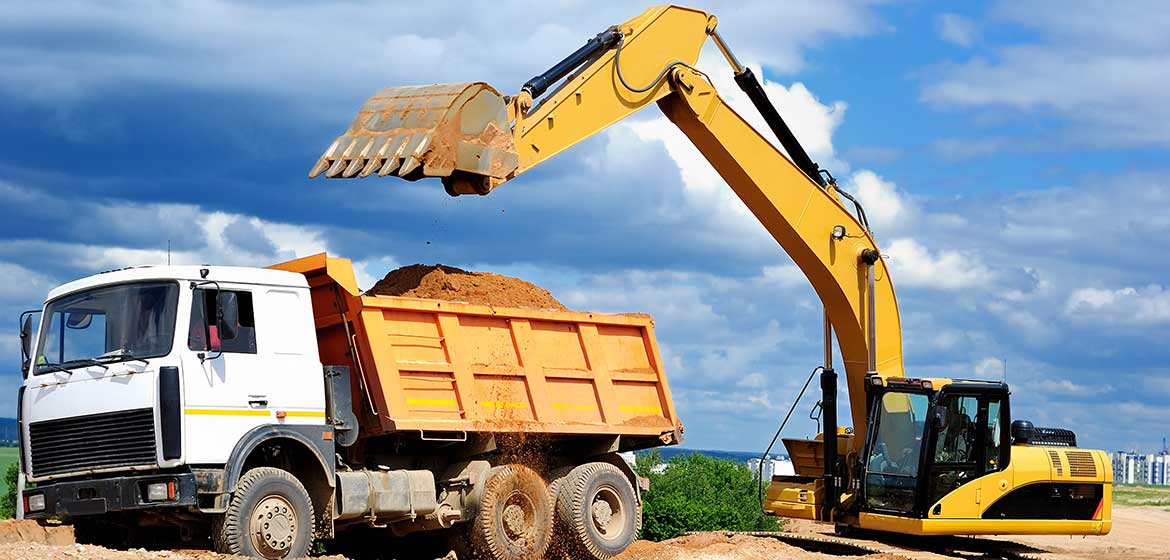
(108, 324)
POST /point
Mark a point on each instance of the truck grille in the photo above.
(97, 441)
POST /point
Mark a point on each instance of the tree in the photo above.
(699, 493)
(8, 500)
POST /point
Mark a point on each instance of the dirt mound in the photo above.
(453, 284)
(721, 546)
(29, 531)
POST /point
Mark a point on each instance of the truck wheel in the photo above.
(599, 510)
(270, 516)
(515, 517)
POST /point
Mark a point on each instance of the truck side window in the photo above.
(203, 307)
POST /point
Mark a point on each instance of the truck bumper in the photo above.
(104, 495)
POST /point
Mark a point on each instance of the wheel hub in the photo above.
(602, 513)
(274, 527)
(518, 517)
(606, 512)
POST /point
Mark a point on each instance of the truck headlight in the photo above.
(161, 491)
(35, 502)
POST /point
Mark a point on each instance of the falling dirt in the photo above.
(453, 284)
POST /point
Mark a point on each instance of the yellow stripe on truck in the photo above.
(305, 413)
(226, 412)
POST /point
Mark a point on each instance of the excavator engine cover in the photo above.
(458, 132)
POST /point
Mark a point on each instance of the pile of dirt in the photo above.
(454, 284)
(29, 531)
(721, 546)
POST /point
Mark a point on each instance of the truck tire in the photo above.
(270, 516)
(598, 510)
(514, 520)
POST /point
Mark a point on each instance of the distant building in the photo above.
(772, 467)
(1130, 467)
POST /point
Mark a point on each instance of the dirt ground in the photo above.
(719, 546)
(453, 284)
(1139, 533)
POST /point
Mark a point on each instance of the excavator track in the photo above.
(902, 547)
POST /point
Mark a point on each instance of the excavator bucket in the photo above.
(458, 132)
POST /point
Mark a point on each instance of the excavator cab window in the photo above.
(968, 442)
(895, 452)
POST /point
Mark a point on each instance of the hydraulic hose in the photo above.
(764, 457)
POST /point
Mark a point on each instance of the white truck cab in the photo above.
(127, 375)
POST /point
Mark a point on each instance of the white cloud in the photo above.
(369, 271)
(912, 264)
(989, 368)
(954, 28)
(1101, 67)
(1144, 306)
(314, 56)
(19, 285)
(197, 236)
(958, 149)
(887, 208)
(706, 195)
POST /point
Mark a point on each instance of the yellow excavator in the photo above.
(925, 455)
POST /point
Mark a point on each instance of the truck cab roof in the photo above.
(225, 274)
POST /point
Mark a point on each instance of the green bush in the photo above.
(698, 493)
(8, 501)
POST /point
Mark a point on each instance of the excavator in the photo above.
(925, 455)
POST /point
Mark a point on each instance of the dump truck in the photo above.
(267, 408)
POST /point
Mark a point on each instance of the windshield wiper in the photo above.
(54, 367)
(121, 354)
(86, 362)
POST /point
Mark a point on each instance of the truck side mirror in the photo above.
(26, 342)
(227, 315)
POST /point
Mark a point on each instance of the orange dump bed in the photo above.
(440, 366)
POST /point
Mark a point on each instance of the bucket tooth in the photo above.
(384, 143)
(395, 158)
(353, 167)
(322, 165)
(324, 162)
(417, 149)
(341, 160)
(391, 165)
(335, 169)
(371, 167)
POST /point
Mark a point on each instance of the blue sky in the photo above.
(1011, 156)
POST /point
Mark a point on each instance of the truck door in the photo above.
(222, 379)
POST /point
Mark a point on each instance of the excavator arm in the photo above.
(475, 139)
